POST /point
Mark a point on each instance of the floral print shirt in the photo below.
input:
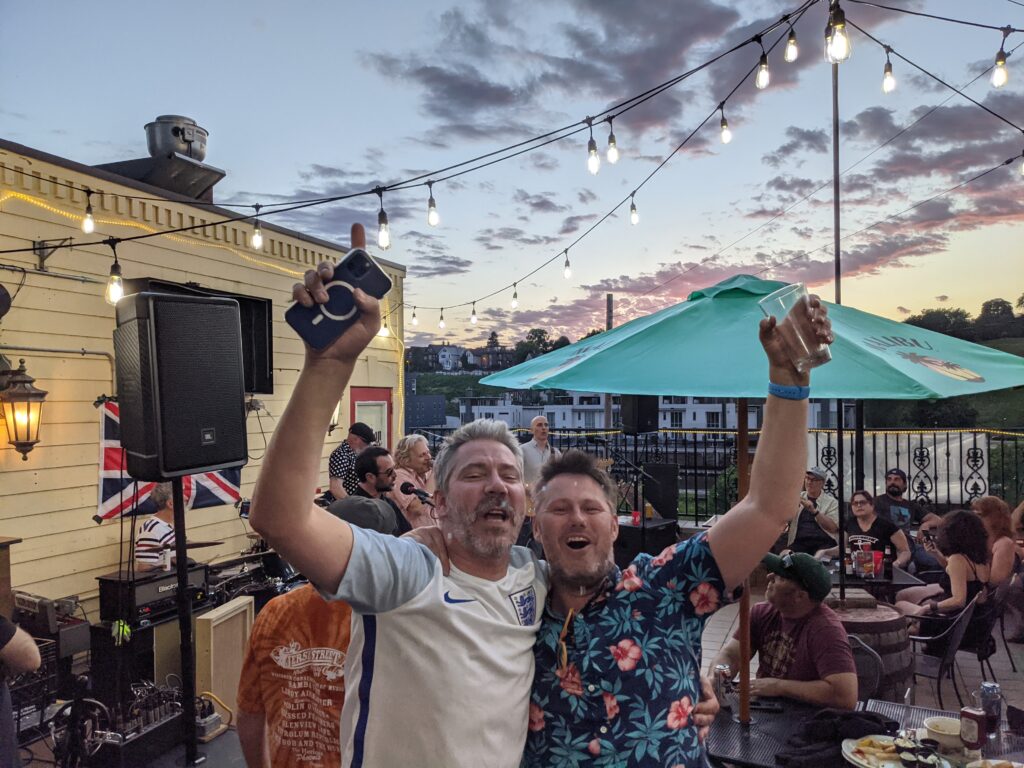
(622, 692)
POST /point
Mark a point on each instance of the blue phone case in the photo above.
(321, 324)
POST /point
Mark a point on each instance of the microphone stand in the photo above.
(637, 472)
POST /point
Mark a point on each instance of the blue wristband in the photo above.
(787, 392)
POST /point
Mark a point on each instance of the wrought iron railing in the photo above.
(945, 468)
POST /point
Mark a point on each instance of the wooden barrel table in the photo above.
(885, 630)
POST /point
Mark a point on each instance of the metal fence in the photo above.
(945, 468)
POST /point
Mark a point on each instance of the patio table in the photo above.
(756, 744)
(882, 587)
(1007, 746)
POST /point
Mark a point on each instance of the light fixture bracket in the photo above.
(43, 249)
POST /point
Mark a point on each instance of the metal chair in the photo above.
(936, 667)
(1014, 582)
(980, 638)
(869, 668)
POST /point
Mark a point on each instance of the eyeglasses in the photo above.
(563, 650)
(389, 472)
(859, 503)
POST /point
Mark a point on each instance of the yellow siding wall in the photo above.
(49, 500)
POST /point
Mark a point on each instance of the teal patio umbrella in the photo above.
(707, 346)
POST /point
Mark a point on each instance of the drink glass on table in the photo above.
(789, 307)
(989, 698)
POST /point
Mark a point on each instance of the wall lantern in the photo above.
(22, 404)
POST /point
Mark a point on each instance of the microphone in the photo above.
(597, 440)
(411, 490)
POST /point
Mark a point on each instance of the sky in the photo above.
(316, 98)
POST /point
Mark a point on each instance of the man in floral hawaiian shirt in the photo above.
(618, 654)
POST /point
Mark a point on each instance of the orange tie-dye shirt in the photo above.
(293, 674)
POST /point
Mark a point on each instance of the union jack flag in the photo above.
(121, 494)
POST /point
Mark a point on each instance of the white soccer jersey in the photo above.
(439, 669)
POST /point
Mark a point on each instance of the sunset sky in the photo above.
(317, 98)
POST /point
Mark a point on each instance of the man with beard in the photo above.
(618, 654)
(907, 513)
(376, 472)
(439, 666)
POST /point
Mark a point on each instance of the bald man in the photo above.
(537, 452)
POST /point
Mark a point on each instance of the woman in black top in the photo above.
(963, 541)
(863, 526)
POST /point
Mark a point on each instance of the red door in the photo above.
(372, 405)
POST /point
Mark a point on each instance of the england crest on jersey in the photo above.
(525, 603)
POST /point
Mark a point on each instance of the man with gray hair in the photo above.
(446, 657)
(157, 532)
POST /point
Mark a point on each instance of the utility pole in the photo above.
(607, 395)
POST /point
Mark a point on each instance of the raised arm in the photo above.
(315, 542)
(742, 537)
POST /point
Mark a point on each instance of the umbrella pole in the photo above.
(743, 485)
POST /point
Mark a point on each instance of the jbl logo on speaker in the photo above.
(181, 385)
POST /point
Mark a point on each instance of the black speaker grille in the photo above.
(200, 383)
(137, 409)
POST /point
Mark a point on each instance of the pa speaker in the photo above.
(652, 539)
(662, 489)
(639, 413)
(180, 385)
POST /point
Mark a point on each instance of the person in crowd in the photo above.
(803, 651)
(375, 469)
(538, 451)
(865, 528)
(341, 465)
(292, 684)
(619, 651)
(817, 524)
(1014, 616)
(156, 533)
(1002, 550)
(412, 465)
(19, 653)
(417, 633)
(963, 542)
(907, 514)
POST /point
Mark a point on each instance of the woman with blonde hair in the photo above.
(1003, 558)
(413, 464)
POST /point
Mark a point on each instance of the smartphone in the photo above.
(321, 324)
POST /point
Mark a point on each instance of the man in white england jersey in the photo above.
(439, 667)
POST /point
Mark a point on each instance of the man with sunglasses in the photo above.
(803, 652)
(375, 469)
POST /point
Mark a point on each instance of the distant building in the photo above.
(424, 412)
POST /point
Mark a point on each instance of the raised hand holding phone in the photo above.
(336, 311)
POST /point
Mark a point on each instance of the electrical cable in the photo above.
(949, 19)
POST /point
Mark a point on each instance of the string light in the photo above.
(515, 295)
(837, 37)
(472, 316)
(1022, 164)
(763, 76)
(257, 233)
(115, 285)
(384, 330)
(888, 79)
(999, 75)
(433, 218)
(383, 230)
(88, 222)
(593, 159)
(792, 50)
(567, 270)
(634, 217)
(613, 149)
(440, 322)
(415, 320)
(726, 133)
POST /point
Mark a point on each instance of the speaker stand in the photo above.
(638, 474)
(188, 659)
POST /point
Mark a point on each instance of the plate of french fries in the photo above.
(878, 752)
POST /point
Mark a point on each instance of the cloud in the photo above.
(571, 224)
(539, 203)
(498, 239)
(800, 140)
(450, 265)
(942, 299)
(904, 310)
(585, 196)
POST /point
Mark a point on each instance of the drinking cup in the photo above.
(789, 307)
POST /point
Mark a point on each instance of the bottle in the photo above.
(648, 510)
(972, 727)
(848, 565)
(636, 517)
(887, 563)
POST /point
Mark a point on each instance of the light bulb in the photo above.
(415, 320)
(383, 231)
(515, 296)
(440, 323)
(999, 74)
(837, 39)
(763, 76)
(634, 217)
(593, 159)
(257, 236)
(433, 218)
(792, 50)
(115, 286)
(726, 133)
(1022, 167)
(613, 149)
(888, 79)
(472, 317)
(567, 270)
(88, 223)
(384, 330)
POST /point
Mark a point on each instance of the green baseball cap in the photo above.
(805, 570)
